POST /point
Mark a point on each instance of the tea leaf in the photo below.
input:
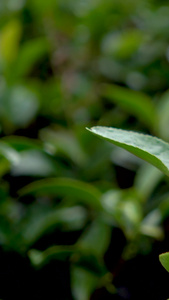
(136, 103)
(83, 283)
(164, 259)
(62, 187)
(149, 148)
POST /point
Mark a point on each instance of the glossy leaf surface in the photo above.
(149, 148)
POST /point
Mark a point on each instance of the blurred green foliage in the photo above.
(65, 65)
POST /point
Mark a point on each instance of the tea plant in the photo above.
(153, 150)
(65, 65)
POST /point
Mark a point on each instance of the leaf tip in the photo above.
(90, 129)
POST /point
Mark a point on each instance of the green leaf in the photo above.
(21, 105)
(124, 208)
(62, 187)
(147, 179)
(34, 163)
(150, 225)
(10, 38)
(83, 283)
(64, 141)
(31, 52)
(164, 259)
(9, 153)
(149, 148)
(163, 112)
(90, 239)
(39, 222)
(21, 143)
(39, 258)
(122, 45)
(134, 102)
(78, 256)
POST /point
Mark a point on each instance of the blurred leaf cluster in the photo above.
(67, 65)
